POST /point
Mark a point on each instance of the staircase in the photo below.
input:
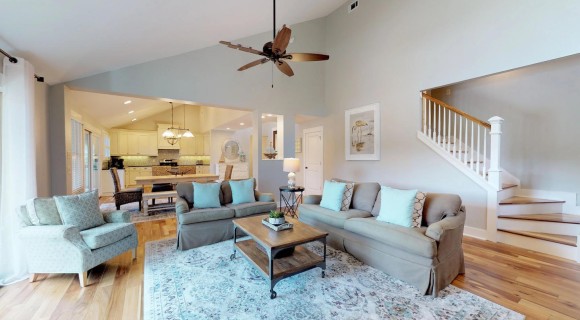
(544, 221)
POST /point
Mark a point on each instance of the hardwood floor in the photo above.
(537, 285)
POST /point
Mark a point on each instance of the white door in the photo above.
(313, 160)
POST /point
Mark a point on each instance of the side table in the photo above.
(291, 197)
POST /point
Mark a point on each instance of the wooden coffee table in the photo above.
(273, 242)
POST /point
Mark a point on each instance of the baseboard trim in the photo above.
(475, 232)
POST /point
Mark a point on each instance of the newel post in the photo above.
(494, 162)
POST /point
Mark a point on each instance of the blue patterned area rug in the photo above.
(203, 283)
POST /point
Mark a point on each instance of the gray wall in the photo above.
(541, 108)
(42, 140)
(386, 52)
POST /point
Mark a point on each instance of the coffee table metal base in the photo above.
(276, 269)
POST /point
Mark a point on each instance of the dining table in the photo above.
(174, 179)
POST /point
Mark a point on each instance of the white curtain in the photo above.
(18, 164)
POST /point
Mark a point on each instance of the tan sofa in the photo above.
(200, 227)
(429, 257)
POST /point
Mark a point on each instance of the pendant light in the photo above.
(173, 134)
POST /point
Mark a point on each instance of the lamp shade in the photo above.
(291, 165)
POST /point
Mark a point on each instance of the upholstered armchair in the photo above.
(73, 236)
(124, 196)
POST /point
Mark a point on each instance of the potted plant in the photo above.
(276, 217)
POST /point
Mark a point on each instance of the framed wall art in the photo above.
(362, 133)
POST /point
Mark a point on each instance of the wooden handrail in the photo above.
(452, 108)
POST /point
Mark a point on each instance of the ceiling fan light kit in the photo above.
(275, 51)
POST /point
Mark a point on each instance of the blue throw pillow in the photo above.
(242, 191)
(397, 206)
(206, 195)
(332, 194)
(80, 210)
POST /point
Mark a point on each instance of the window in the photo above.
(77, 156)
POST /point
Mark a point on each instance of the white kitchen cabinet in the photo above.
(239, 171)
(161, 142)
(133, 143)
(201, 169)
(188, 146)
(107, 187)
(206, 144)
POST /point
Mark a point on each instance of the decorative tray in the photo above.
(279, 227)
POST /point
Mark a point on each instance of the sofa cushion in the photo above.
(107, 234)
(227, 191)
(202, 215)
(397, 206)
(333, 218)
(439, 205)
(248, 209)
(364, 195)
(206, 195)
(243, 191)
(332, 194)
(80, 210)
(43, 211)
(407, 239)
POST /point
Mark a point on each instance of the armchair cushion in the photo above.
(117, 216)
(43, 211)
(81, 210)
(106, 234)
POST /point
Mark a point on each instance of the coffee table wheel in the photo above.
(323, 273)
(233, 256)
(273, 294)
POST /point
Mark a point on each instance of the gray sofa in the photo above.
(429, 257)
(200, 227)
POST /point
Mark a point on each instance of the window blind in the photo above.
(77, 156)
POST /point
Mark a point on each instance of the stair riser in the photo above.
(547, 247)
(539, 226)
(515, 209)
(506, 193)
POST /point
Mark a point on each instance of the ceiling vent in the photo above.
(352, 6)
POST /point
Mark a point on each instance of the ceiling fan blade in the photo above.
(242, 48)
(282, 39)
(253, 64)
(285, 68)
(306, 57)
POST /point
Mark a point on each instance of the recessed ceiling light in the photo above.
(241, 123)
(127, 102)
(131, 111)
(269, 114)
(227, 128)
(263, 117)
(134, 119)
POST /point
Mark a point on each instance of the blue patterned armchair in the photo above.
(68, 234)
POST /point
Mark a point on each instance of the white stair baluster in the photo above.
(465, 142)
(484, 152)
(455, 134)
(444, 129)
(449, 132)
(471, 146)
(424, 115)
(478, 150)
(439, 125)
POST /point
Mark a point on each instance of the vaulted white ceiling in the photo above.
(67, 40)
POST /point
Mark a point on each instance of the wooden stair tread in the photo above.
(548, 217)
(508, 185)
(526, 200)
(557, 238)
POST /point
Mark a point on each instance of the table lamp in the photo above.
(291, 165)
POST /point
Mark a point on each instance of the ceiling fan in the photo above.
(275, 51)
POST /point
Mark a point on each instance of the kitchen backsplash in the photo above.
(163, 154)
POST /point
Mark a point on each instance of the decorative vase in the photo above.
(276, 221)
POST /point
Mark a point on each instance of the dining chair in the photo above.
(228, 172)
(124, 196)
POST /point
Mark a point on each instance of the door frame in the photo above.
(304, 150)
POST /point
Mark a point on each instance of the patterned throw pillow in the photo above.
(418, 208)
(81, 210)
(43, 211)
(347, 196)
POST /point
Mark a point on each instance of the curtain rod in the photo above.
(14, 60)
